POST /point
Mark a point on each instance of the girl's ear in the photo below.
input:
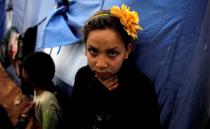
(128, 50)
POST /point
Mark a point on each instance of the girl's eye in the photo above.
(112, 53)
(92, 51)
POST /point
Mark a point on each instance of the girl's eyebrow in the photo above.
(113, 49)
(89, 45)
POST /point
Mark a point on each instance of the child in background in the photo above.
(38, 71)
(110, 93)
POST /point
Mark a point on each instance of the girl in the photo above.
(110, 93)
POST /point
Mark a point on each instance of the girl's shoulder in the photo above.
(131, 75)
(131, 72)
(85, 73)
(84, 69)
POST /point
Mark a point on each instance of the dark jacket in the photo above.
(132, 105)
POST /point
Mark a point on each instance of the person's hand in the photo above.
(110, 83)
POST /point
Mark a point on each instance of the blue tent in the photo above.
(172, 50)
(2, 17)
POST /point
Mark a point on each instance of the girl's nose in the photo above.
(101, 62)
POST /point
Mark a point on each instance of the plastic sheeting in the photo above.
(68, 61)
(68, 20)
(2, 17)
(27, 13)
(173, 50)
(172, 55)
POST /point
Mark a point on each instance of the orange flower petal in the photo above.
(129, 19)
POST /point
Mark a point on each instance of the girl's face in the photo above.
(105, 52)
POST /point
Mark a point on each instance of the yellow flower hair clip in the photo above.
(129, 19)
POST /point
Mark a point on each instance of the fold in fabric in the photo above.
(63, 25)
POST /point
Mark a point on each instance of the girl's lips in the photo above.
(103, 75)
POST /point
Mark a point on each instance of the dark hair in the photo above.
(103, 20)
(39, 67)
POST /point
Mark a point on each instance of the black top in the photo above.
(132, 105)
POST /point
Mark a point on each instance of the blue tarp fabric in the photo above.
(172, 50)
(68, 20)
(2, 18)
